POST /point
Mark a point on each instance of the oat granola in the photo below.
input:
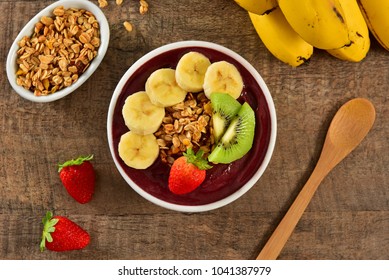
(128, 26)
(186, 124)
(59, 50)
(103, 3)
(144, 7)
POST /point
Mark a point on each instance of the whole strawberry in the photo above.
(78, 177)
(61, 234)
(188, 172)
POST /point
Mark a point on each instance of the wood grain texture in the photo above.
(348, 217)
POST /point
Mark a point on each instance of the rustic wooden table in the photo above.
(348, 217)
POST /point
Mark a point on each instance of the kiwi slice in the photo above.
(224, 108)
(237, 139)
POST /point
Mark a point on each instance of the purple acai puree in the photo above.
(223, 179)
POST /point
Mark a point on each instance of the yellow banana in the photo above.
(190, 71)
(257, 6)
(319, 22)
(138, 151)
(140, 115)
(280, 38)
(222, 76)
(359, 34)
(162, 88)
(376, 13)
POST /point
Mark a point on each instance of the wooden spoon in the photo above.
(349, 126)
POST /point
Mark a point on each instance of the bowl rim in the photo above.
(27, 30)
(273, 122)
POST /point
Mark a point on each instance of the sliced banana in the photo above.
(138, 151)
(162, 88)
(224, 77)
(140, 115)
(190, 71)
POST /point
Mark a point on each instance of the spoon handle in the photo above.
(349, 126)
(280, 236)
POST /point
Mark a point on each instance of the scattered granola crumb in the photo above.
(103, 3)
(119, 2)
(128, 26)
(144, 7)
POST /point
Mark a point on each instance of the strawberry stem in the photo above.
(77, 161)
(197, 159)
(48, 228)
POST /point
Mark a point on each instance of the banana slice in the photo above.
(162, 88)
(190, 71)
(138, 151)
(224, 77)
(140, 115)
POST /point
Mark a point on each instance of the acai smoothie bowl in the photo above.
(191, 126)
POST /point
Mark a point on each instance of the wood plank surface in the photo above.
(348, 217)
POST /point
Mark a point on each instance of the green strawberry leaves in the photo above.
(197, 159)
(77, 161)
(48, 227)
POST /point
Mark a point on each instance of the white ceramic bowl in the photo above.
(224, 183)
(28, 29)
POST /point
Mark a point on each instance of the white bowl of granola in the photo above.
(224, 183)
(58, 50)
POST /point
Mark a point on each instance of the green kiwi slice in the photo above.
(224, 108)
(238, 139)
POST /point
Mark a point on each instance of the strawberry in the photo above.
(188, 172)
(61, 234)
(78, 177)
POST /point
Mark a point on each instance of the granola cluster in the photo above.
(59, 50)
(143, 9)
(186, 124)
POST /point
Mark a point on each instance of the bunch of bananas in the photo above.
(291, 29)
